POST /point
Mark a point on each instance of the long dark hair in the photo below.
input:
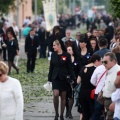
(10, 29)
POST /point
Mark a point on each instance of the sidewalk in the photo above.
(44, 110)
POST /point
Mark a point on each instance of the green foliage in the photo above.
(114, 7)
(39, 6)
(6, 5)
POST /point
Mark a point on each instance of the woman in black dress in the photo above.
(84, 53)
(12, 47)
(60, 68)
(87, 104)
(93, 45)
(70, 93)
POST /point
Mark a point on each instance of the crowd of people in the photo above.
(94, 66)
(89, 61)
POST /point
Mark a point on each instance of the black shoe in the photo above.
(61, 118)
(32, 71)
(56, 117)
(67, 114)
(17, 71)
(70, 116)
(28, 71)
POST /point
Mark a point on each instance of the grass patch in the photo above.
(32, 83)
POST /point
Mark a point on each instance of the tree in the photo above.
(114, 7)
(39, 6)
(6, 5)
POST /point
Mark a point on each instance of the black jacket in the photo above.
(3, 35)
(76, 47)
(31, 44)
(60, 67)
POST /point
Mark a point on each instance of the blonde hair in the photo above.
(57, 42)
(3, 67)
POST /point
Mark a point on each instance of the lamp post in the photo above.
(18, 13)
(35, 8)
(74, 6)
(57, 6)
(70, 5)
(63, 6)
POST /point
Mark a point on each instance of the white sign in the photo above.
(50, 14)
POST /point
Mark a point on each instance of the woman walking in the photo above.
(12, 48)
(87, 104)
(60, 68)
(70, 94)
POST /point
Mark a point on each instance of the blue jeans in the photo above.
(98, 108)
(116, 118)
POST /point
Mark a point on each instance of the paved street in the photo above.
(44, 111)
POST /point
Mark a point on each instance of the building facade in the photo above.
(24, 9)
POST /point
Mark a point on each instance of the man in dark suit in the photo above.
(43, 41)
(4, 37)
(76, 42)
(31, 44)
(103, 43)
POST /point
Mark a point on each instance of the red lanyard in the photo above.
(32, 42)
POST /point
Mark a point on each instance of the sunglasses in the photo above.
(1, 75)
(105, 62)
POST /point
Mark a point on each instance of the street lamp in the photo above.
(35, 8)
(18, 12)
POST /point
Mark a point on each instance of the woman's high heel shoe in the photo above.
(70, 116)
(67, 114)
(61, 118)
(56, 117)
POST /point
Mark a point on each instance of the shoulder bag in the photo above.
(92, 95)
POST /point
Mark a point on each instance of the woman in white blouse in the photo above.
(11, 97)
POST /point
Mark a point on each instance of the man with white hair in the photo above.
(110, 63)
(68, 39)
(102, 25)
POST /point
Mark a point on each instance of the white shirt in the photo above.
(77, 43)
(98, 72)
(116, 99)
(109, 87)
(27, 21)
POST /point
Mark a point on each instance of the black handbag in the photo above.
(76, 94)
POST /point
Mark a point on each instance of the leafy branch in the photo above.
(7, 5)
